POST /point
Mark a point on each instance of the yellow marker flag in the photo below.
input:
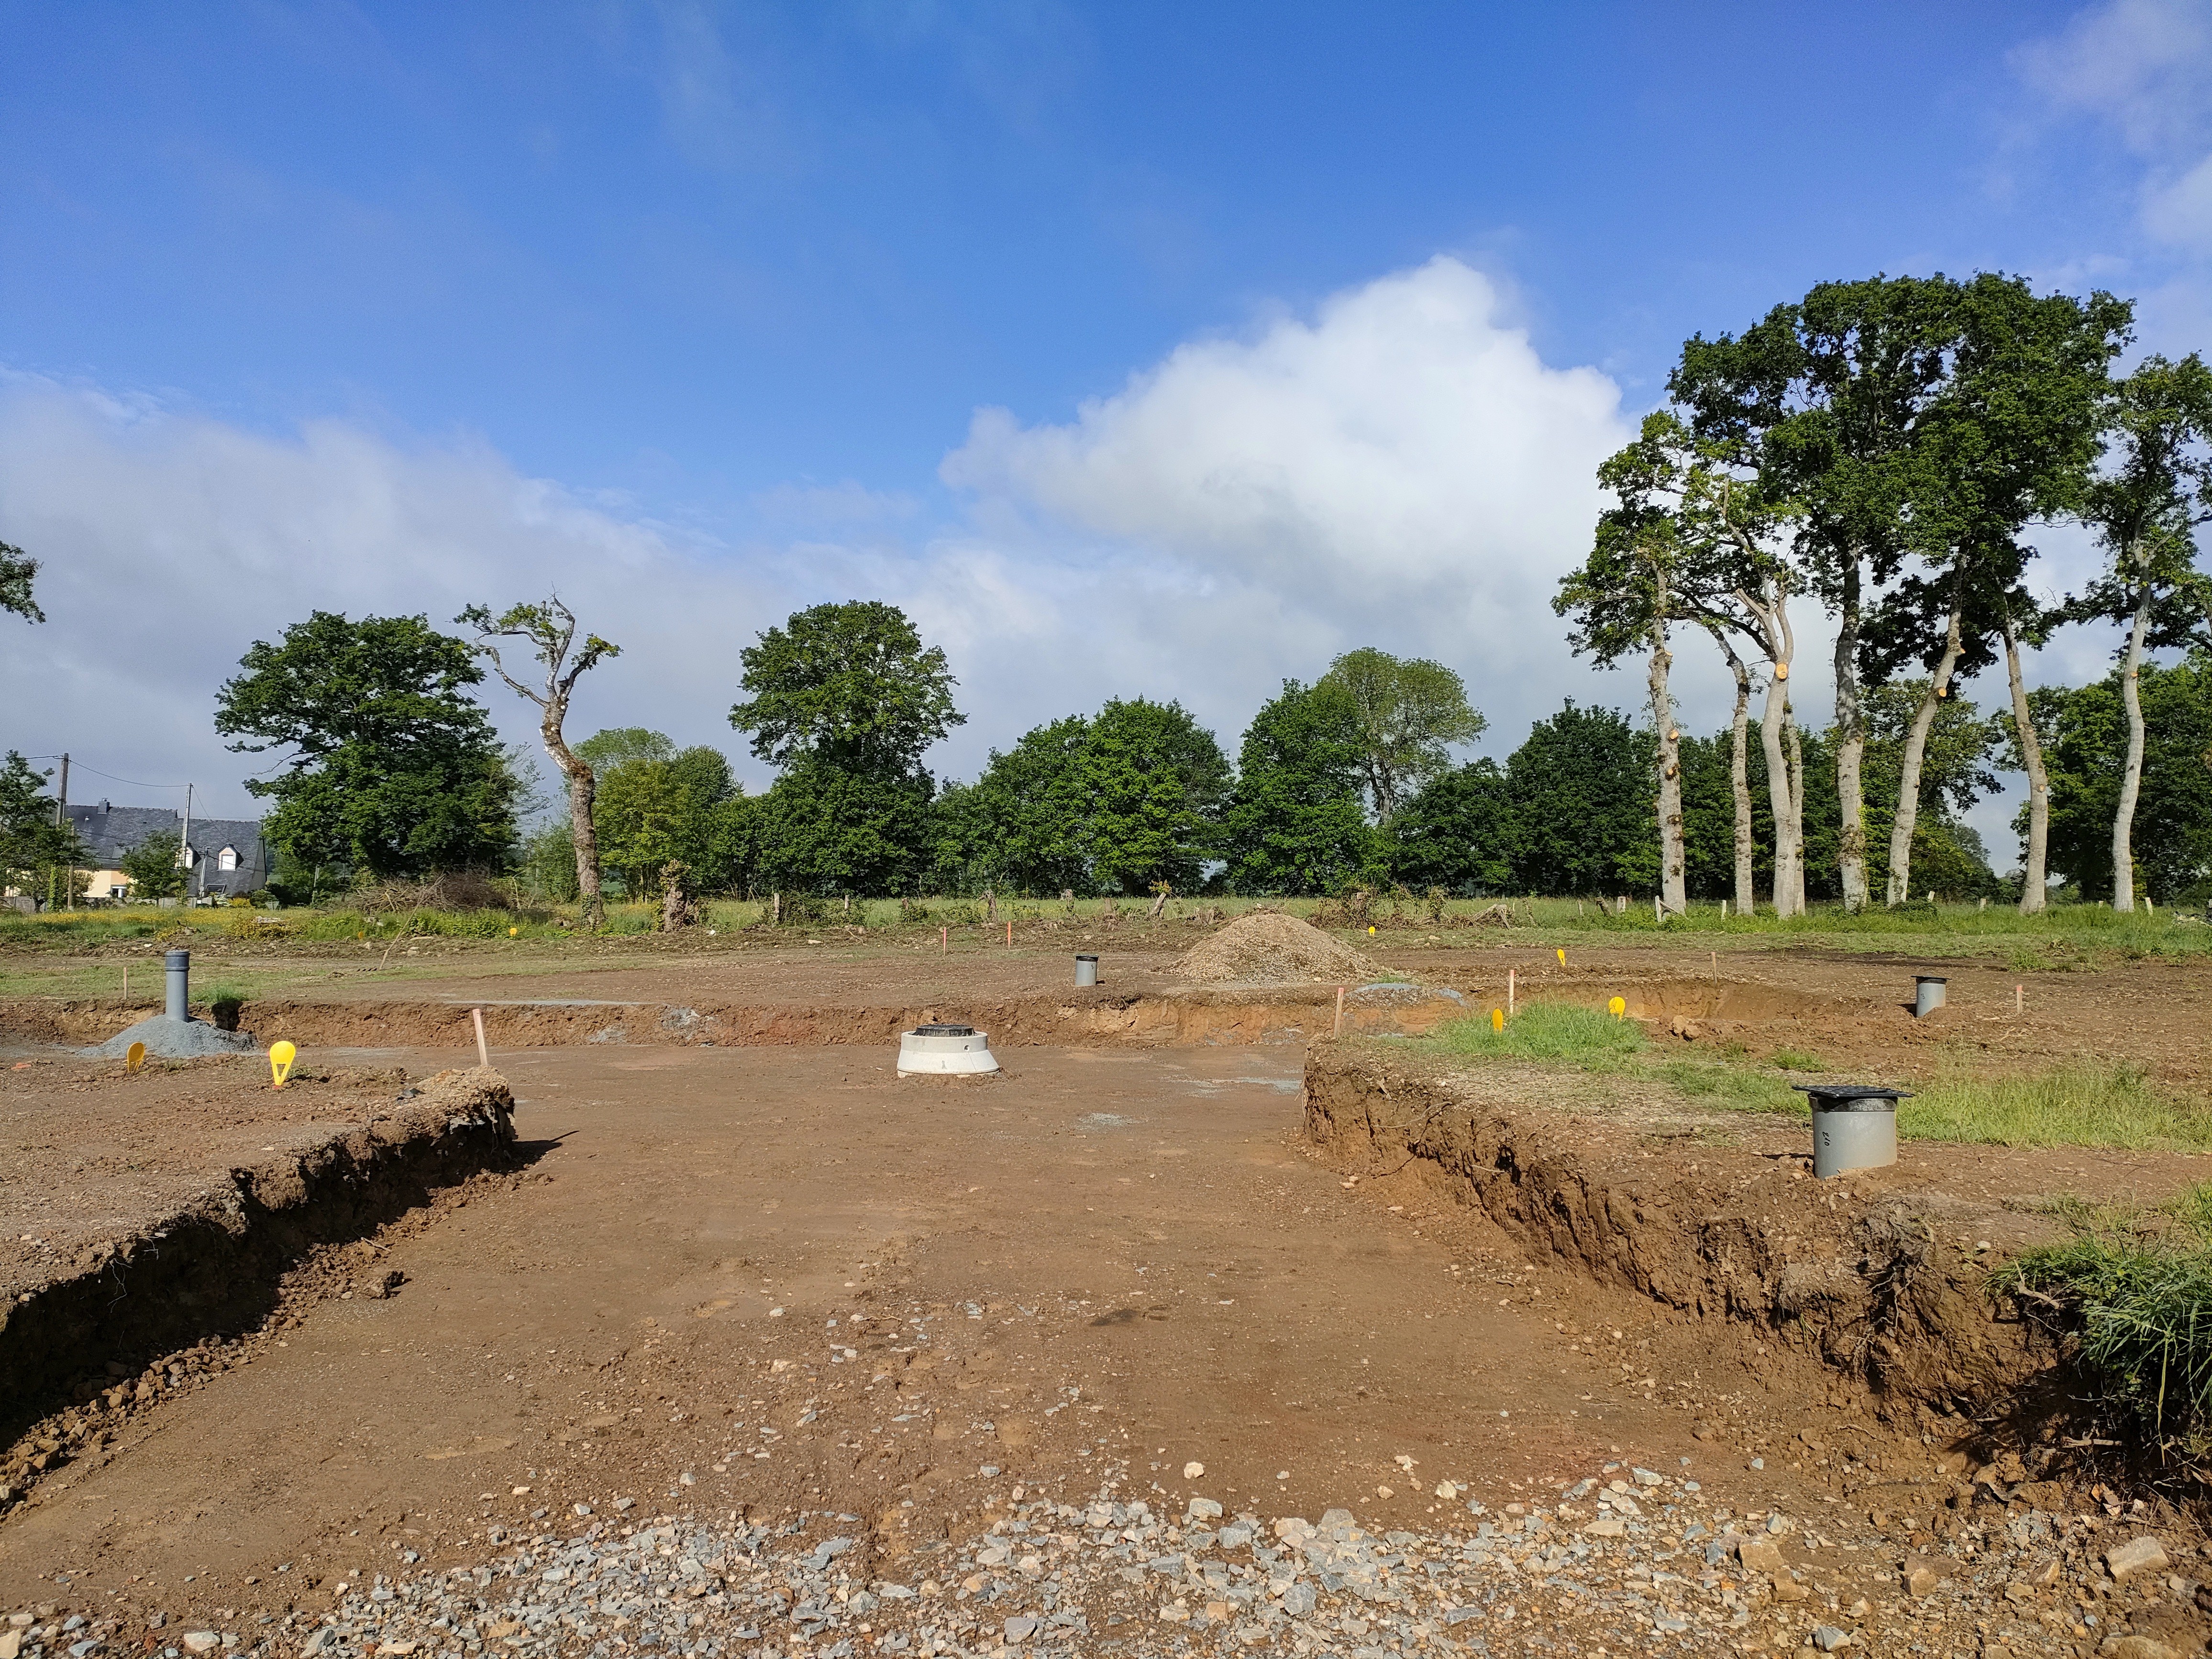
(135, 1058)
(1496, 1019)
(1370, 930)
(1563, 955)
(1618, 1007)
(281, 1055)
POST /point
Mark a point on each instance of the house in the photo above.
(225, 856)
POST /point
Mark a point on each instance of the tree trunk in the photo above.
(2123, 820)
(1747, 895)
(583, 788)
(2034, 894)
(1747, 892)
(1787, 801)
(1915, 751)
(1796, 805)
(1674, 896)
(1850, 748)
(1778, 794)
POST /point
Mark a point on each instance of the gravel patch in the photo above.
(1625, 1561)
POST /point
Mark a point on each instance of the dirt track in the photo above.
(1143, 1228)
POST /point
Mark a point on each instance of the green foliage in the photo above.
(1548, 1031)
(2085, 736)
(1295, 824)
(17, 568)
(2131, 1293)
(154, 868)
(1024, 825)
(31, 843)
(2147, 505)
(1409, 711)
(604, 751)
(395, 768)
(849, 686)
(1118, 802)
(826, 829)
(1581, 791)
(546, 867)
(1155, 781)
(685, 809)
(1458, 834)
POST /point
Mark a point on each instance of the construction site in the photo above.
(613, 1299)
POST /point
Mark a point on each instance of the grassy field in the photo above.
(2075, 1105)
(2066, 938)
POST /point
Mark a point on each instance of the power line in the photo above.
(78, 765)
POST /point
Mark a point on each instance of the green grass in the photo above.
(1795, 1060)
(2130, 1294)
(2074, 1105)
(1548, 1031)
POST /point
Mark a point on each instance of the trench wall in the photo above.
(213, 1267)
(1870, 1283)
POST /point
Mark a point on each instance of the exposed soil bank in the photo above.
(1220, 1015)
(1879, 1275)
(213, 1264)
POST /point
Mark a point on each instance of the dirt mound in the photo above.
(1269, 948)
(172, 1039)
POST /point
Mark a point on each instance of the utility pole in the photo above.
(185, 846)
(61, 807)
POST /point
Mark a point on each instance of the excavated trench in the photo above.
(72, 1341)
(1879, 1279)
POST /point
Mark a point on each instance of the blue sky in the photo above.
(1137, 348)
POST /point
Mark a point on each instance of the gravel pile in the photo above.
(1269, 948)
(1625, 1561)
(172, 1039)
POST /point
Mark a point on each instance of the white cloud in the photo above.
(1402, 468)
(2145, 66)
(2140, 63)
(170, 542)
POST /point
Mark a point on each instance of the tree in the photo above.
(549, 629)
(2007, 438)
(846, 685)
(1155, 782)
(1576, 790)
(2087, 738)
(1410, 711)
(395, 770)
(1024, 824)
(826, 829)
(650, 814)
(1688, 540)
(1295, 824)
(30, 842)
(1458, 833)
(1958, 752)
(17, 568)
(604, 751)
(2146, 509)
(1825, 396)
(155, 867)
(2033, 624)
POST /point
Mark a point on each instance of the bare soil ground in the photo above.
(764, 1279)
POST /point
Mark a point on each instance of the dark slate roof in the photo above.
(111, 831)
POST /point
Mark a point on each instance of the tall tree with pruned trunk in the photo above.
(549, 630)
(1691, 539)
(2146, 506)
(2008, 439)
